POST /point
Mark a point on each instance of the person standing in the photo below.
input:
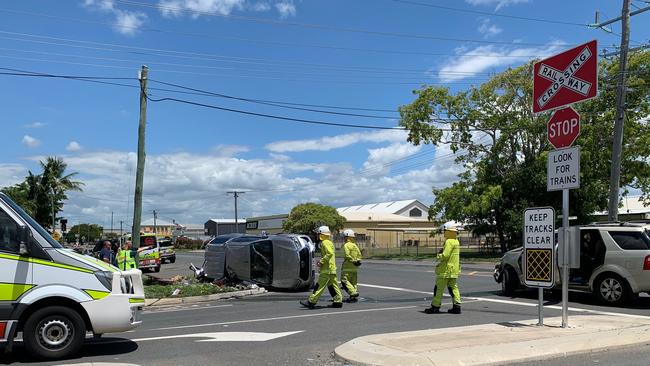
(126, 257)
(106, 254)
(350, 266)
(447, 272)
(327, 274)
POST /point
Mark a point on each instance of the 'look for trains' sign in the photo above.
(566, 78)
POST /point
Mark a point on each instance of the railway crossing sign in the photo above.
(539, 241)
(566, 78)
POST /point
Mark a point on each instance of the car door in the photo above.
(16, 276)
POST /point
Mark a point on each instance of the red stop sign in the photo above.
(563, 128)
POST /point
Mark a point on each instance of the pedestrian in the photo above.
(327, 274)
(447, 272)
(126, 257)
(350, 266)
(106, 254)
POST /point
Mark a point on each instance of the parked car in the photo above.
(277, 262)
(167, 252)
(614, 263)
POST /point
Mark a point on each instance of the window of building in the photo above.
(416, 212)
(631, 240)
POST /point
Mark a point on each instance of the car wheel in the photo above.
(173, 260)
(156, 269)
(611, 289)
(54, 332)
(508, 284)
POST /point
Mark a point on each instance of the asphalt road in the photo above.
(273, 329)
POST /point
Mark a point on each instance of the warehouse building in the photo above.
(214, 227)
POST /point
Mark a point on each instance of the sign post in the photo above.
(566, 78)
(539, 253)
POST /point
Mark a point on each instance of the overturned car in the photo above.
(282, 262)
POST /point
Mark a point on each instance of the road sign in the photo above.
(566, 78)
(563, 128)
(539, 241)
(563, 169)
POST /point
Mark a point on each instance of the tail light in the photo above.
(646, 263)
(3, 326)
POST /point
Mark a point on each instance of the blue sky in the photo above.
(364, 54)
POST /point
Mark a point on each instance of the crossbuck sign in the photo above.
(566, 78)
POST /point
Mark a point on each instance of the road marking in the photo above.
(312, 314)
(519, 303)
(213, 337)
(194, 307)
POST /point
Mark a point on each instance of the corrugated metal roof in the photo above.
(379, 216)
(631, 205)
(381, 207)
(228, 221)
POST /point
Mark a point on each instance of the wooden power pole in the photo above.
(139, 176)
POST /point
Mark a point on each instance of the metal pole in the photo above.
(121, 233)
(111, 222)
(139, 176)
(617, 148)
(540, 306)
(53, 214)
(565, 258)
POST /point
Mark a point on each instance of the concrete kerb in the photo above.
(204, 298)
(496, 344)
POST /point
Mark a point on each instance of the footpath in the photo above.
(497, 344)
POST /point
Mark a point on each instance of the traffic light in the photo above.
(64, 223)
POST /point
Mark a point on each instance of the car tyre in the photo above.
(508, 282)
(54, 332)
(173, 260)
(156, 269)
(612, 289)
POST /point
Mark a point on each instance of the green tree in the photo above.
(87, 233)
(44, 194)
(503, 148)
(307, 217)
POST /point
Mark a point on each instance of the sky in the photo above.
(359, 57)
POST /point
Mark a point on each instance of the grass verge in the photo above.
(185, 287)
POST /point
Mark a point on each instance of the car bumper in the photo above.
(121, 310)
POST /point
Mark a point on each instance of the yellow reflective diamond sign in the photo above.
(539, 242)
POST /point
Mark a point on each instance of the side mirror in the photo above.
(24, 236)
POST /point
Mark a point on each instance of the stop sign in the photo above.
(563, 128)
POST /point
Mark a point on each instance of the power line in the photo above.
(470, 11)
(319, 26)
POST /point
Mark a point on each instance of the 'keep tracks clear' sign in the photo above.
(539, 241)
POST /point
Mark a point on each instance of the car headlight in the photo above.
(106, 278)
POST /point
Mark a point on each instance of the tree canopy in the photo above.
(307, 217)
(39, 193)
(87, 233)
(502, 147)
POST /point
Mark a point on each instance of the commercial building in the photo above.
(632, 208)
(160, 227)
(215, 227)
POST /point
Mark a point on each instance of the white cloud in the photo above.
(126, 22)
(229, 150)
(328, 143)
(177, 7)
(35, 125)
(73, 146)
(378, 158)
(498, 4)
(482, 58)
(11, 174)
(260, 6)
(488, 29)
(30, 141)
(286, 9)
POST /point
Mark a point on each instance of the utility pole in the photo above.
(615, 176)
(155, 228)
(111, 222)
(621, 90)
(53, 214)
(121, 233)
(139, 176)
(236, 195)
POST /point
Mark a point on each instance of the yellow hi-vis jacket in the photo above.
(327, 259)
(449, 260)
(352, 254)
(125, 260)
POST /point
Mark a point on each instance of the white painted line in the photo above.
(212, 337)
(194, 307)
(519, 303)
(312, 313)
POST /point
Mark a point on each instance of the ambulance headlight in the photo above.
(106, 278)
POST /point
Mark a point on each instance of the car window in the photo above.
(262, 262)
(9, 241)
(631, 240)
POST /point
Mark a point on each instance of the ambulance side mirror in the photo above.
(24, 236)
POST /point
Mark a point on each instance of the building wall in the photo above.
(269, 224)
(160, 230)
(214, 228)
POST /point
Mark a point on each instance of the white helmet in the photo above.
(348, 233)
(325, 230)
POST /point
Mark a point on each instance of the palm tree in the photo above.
(54, 184)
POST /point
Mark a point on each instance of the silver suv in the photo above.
(614, 263)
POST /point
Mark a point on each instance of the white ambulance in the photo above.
(51, 297)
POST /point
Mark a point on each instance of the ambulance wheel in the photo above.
(54, 332)
(157, 269)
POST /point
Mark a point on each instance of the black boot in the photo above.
(454, 310)
(337, 305)
(432, 310)
(307, 304)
